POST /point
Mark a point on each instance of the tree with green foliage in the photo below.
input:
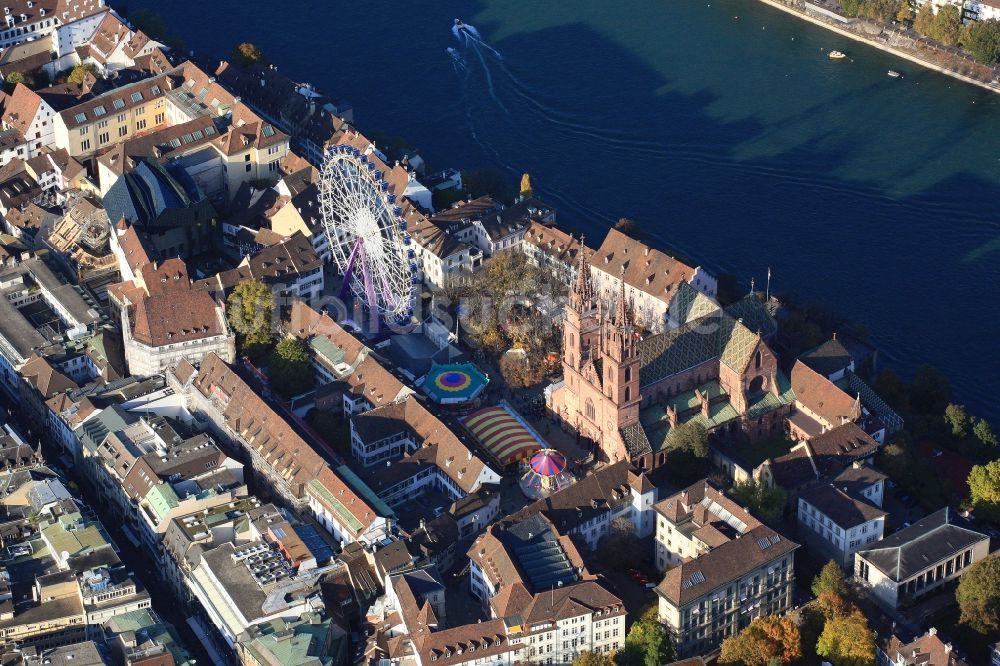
(647, 642)
(248, 55)
(830, 579)
(690, 436)
(249, 309)
(768, 502)
(588, 658)
(895, 460)
(847, 641)
(481, 182)
(850, 8)
(618, 547)
(156, 27)
(890, 387)
(956, 417)
(984, 433)
(78, 74)
(982, 40)
(880, 10)
(947, 25)
(924, 20)
(984, 489)
(978, 595)
(13, 79)
(930, 390)
(832, 605)
(766, 640)
(905, 11)
(290, 368)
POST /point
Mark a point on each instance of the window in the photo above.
(118, 104)
(140, 124)
(628, 393)
(122, 117)
(249, 166)
(159, 118)
(100, 111)
(85, 144)
(80, 117)
(758, 359)
(590, 411)
(628, 374)
(155, 90)
(84, 130)
(103, 137)
(136, 97)
(102, 124)
(123, 130)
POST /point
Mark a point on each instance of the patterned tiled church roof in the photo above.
(715, 336)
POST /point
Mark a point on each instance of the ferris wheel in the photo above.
(367, 234)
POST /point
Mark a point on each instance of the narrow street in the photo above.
(135, 559)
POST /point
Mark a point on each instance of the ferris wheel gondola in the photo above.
(367, 234)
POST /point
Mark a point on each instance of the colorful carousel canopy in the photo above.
(546, 474)
(548, 462)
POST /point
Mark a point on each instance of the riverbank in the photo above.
(846, 31)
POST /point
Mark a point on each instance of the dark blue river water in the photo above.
(720, 126)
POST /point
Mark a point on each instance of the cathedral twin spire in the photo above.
(582, 294)
(619, 330)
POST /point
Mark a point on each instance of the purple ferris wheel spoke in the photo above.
(369, 282)
(349, 270)
(387, 295)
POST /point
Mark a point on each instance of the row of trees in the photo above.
(843, 639)
(980, 38)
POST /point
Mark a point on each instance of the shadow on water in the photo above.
(734, 140)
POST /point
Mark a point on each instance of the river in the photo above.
(720, 126)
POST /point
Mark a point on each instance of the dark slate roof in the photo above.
(843, 508)
(149, 195)
(928, 541)
(636, 442)
(578, 503)
(828, 358)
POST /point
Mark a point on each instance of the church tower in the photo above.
(580, 325)
(621, 359)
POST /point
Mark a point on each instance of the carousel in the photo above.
(546, 474)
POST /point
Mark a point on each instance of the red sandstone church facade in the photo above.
(712, 368)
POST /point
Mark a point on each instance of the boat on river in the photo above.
(894, 74)
(837, 55)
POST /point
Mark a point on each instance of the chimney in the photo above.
(703, 400)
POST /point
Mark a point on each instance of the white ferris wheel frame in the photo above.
(367, 233)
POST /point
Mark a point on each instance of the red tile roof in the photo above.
(176, 316)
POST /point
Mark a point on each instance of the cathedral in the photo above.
(624, 392)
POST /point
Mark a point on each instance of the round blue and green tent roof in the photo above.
(454, 382)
